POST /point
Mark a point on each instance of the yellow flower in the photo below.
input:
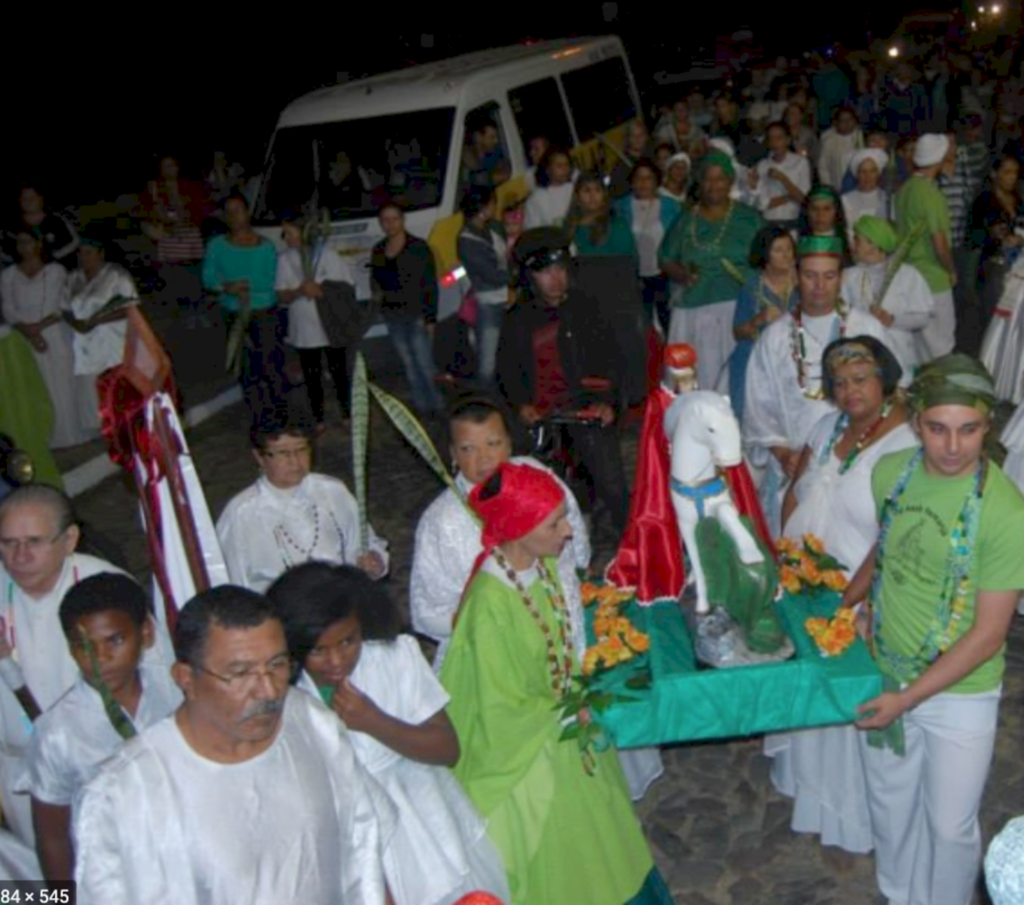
(786, 545)
(590, 661)
(834, 580)
(790, 581)
(813, 543)
(638, 641)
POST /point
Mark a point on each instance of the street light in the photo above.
(996, 9)
(894, 52)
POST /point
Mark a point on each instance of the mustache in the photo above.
(263, 708)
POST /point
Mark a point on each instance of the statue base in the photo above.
(719, 642)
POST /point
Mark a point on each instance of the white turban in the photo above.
(681, 157)
(723, 145)
(930, 149)
(879, 156)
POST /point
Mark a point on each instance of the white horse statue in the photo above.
(704, 436)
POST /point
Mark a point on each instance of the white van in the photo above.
(401, 136)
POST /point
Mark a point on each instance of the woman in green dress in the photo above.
(593, 223)
(551, 808)
(706, 253)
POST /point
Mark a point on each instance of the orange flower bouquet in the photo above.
(833, 635)
(616, 639)
(806, 568)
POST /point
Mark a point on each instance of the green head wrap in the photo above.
(878, 232)
(832, 246)
(953, 380)
(823, 193)
(716, 158)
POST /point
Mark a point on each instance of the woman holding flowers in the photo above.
(830, 498)
(552, 804)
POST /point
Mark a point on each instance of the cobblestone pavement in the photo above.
(719, 832)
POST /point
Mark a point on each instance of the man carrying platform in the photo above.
(943, 587)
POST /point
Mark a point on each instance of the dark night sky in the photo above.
(92, 114)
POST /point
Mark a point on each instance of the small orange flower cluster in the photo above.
(808, 568)
(833, 635)
(617, 639)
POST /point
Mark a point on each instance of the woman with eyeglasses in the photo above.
(291, 515)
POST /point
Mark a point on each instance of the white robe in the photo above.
(448, 543)
(441, 850)
(798, 169)
(777, 411)
(102, 347)
(75, 737)
(548, 205)
(908, 300)
(821, 769)
(300, 822)
(27, 299)
(1002, 350)
(857, 204)
(32, 627)
(265, 530)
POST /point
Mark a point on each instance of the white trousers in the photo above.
(709, 330)
(924, 806)
(938, 336)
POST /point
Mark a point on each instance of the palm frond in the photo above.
(898, 256)
(234, 349)
(360, 433)
(733, 271)
(122, 725)
(416, 436)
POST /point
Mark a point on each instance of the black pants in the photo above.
(312, 372)
(597, 449)
(262, 377)
(655, 298)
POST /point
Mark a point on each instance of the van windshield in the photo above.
(353, 166)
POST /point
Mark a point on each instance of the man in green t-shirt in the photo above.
(920, 206)
(944, 584)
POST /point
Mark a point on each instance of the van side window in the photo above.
(600, 97)
(485, 149)
(539, 111)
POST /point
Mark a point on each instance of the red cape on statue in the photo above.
(650, 555)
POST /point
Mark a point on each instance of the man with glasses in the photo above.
(290, 515)
(38, 565)
(249, 793)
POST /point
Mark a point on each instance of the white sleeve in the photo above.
(422, 694)
(763, 426)
(285, 278)
(101, 869)
(580, 538)
(233, 547)
(433, 598)
(803, 176)
(47, 782)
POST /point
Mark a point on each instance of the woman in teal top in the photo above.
(241, 266)
(706, 253)
(593, 224)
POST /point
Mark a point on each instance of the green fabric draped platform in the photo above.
(685, 703)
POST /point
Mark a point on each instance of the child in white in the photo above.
(394, 707)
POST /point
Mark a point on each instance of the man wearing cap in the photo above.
(552, 344)
(894, 293)
(943, 585)
(784, 397)
(781, 180)
(921, 209)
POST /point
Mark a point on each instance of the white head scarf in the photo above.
(879, 156)
(930, 149)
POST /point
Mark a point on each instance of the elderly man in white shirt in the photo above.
(781, 180)
(38, 536)
(290, 516)
(250, 793)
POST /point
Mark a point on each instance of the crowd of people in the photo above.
(826, 247)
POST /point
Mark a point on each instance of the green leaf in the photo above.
(571, 731)
(416, 436)
(236, 338)
(122, 725)
(733, 271)
(360, 433)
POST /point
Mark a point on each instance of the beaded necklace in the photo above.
(842, 422)
(284, 540)
(713, 246)
(559, 662)
(945, 628)
(798, 346)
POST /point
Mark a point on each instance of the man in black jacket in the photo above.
(559, 355)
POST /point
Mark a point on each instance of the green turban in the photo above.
(878, 232)
(953, 380)
(832, 246)
(716, 158)
(824, 193)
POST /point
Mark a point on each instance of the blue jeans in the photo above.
(489, 319)
(413, 346)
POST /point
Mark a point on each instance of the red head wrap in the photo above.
(526, 496)
(679, 356)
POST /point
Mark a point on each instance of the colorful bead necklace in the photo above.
(798, 346)
(842, 422)
(946, 628)
(559, 661)
(716, 243)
